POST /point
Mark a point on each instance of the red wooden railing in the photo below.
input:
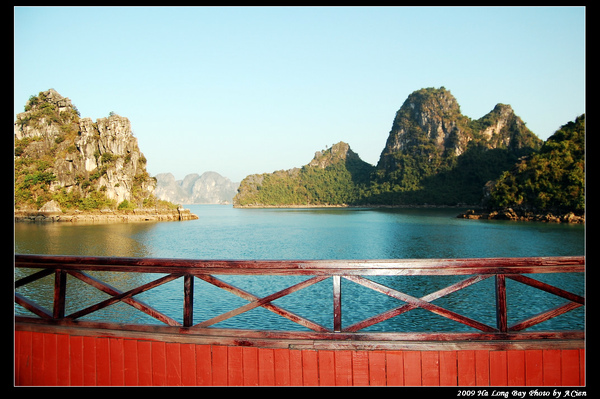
(336, 336)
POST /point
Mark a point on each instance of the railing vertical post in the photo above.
(188, 301)
(337, 304)
(501, 310)
(60, 288)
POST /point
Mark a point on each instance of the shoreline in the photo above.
(105, 216)
(510, 214)
(462, 206)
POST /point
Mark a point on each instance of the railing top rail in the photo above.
(522, 265)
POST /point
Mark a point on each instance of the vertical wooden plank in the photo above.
(23, 373)
(501, 312)
(204, 365)
(337, 304)
(326, 368)
(295, 368)
(130, 363)
(37, 358)
(76, 359)
(430, 361)
(144, 365)
(235, 376)
(102, 362)
(343, 368)
(515, 367)
(117, 377)
(551, 359)
(498, 368)
(188, 364)
(172, 364)
(219, 365)
(377, 374)
(360, 368)
(250, 365)
(159, 364)
(394, 368)
(310, 368)
(17, 358)
(533, 368)
(412, 368)
(466, 368)
(188, 300)
(266, 364)
(482, 367)
(582, 367)
(50, 372)
(89, 361)
(63, 349)
(282, 367)
(448, 368)
(570, 367)
(60, 287)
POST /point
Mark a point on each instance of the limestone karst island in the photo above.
(436, 156)
(71, 169)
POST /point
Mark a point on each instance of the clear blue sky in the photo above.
(243, 90)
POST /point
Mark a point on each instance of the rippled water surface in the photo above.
(222, 232)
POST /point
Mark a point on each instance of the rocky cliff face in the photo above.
(430, 124)
(78, 162)
(208, 188)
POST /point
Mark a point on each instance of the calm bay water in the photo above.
(222, 232)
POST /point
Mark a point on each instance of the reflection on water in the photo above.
(226, 233)
(116, 239)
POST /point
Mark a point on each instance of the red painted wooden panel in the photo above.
(59, 359)
(412, 368)
(534, 375)
(144, 349)
(204, 365)
(377, 374)
(188, 364)
(582, 367)
(448, 368)
(310, 368)
(130, 363)
(482, 368)
(266, 364)
(570, 367)
(250, 365)
(326, 368)
(551, 366)
(343, 368)
(516, 367)
(296, 368)
(63, 360)
(430, 364)
(282, 367)
(360, 368)
(395, 368)
(466, 368)
(76, 360)
(89, 361)
(102, 362)
(235, 373)
(173, 364)
(219, 365)
(159, 363)
(498, 368)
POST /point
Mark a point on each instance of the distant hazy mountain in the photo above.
(208, 188)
